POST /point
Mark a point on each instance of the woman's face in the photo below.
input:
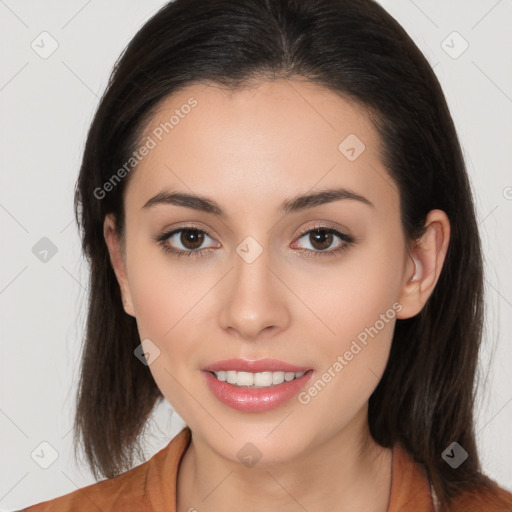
(261, 288)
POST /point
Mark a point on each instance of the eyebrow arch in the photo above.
(295, 204)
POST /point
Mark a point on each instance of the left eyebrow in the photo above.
(295, 204)
(314, 199)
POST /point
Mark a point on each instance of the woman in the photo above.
(320, 339)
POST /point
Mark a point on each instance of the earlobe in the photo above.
(424, 263)
(117, 261)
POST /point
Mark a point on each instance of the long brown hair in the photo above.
(425, 399)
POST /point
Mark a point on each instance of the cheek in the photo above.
(359, 308)
(352, 295)
(355, 303)
(162, 293)
(164, 300)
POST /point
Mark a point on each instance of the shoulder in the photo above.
(492, 498)
(412, 489)
(121, 491)
(129, 491)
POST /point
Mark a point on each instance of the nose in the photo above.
(254, 302)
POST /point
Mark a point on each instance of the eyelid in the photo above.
(326, 226)
(303, 231)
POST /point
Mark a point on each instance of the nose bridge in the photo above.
(253, 301)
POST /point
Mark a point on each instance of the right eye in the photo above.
(189, 237)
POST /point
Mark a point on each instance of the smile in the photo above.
(256, 380)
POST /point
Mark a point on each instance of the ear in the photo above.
(117, 260)
(424, 264)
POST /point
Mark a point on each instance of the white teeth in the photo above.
(244, 379)
(221, 375)
(277, 377)
(263, 379)
(256, 380)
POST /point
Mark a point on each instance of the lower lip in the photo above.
(255, 399)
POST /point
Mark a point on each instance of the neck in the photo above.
(346, 472)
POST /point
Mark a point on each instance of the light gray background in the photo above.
(47, 105)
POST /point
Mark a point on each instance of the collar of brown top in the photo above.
(410, 487)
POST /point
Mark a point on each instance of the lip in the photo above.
(254, 366)
(247, 399)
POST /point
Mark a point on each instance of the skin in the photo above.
(250, 150)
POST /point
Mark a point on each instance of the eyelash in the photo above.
(198, 253)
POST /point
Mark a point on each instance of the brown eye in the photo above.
(185, 241)
(321, 238)
(191, 238)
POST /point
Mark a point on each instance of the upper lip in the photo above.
(255, 366)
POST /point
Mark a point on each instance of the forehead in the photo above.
(259, 143)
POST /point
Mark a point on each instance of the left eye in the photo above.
(322, 238)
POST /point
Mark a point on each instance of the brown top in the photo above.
(151, 487)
